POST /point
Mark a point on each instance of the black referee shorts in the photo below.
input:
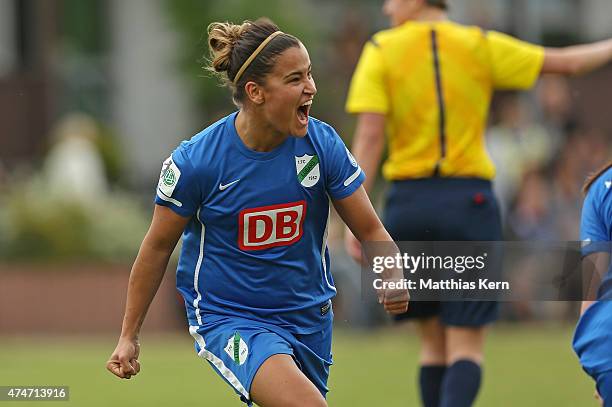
(445, 209)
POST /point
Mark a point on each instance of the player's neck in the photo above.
(255, 133)
(431, 14)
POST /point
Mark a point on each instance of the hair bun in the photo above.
(222, 37)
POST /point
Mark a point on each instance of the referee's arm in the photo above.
(368, 145)
(578, 59)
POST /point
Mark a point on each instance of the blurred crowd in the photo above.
(543, 152)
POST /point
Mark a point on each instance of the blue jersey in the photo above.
(592, 341)
(596, 224)
(255, 246)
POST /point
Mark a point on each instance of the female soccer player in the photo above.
(593, 336)
(429, 81)
(251, 196)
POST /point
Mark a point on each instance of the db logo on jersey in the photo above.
(270, 226)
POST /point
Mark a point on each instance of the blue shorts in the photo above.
(445, 209)
(237, 347)
(592, 343)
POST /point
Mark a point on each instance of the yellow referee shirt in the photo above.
(434, 82)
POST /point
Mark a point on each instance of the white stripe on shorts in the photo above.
(218, 363)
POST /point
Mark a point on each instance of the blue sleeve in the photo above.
(594, 222)
(178, 186)
(342, 173)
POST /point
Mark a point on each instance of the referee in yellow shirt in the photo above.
(428, 83)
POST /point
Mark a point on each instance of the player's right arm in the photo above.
(146, 275)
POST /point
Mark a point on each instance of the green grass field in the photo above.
(526, 366)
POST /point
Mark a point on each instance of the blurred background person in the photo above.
(428, 82)
(73, 168)
(555, 103)
(516, 144)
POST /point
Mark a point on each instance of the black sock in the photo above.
(460, 385)
(430, 381)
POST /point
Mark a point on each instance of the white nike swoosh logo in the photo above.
(224, 187)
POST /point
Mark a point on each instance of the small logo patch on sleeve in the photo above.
(351, 158)
(168, 177)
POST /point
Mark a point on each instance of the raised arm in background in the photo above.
(578, 59)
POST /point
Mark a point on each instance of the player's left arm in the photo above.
(357, 212)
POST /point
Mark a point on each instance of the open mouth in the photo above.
(302, 112)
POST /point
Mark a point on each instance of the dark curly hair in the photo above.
(230, 45)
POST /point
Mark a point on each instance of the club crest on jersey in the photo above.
(307, 167)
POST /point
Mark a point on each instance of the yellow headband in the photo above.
(254, 55)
